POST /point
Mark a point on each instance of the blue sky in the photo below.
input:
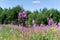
(31, 4)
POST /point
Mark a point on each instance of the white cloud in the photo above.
(36, 1)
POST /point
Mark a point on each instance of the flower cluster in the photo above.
(22, 14)
(50, 21)
(58, 24)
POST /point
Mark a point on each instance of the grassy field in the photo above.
(34, 33)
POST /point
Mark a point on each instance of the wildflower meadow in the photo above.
(51, 31)
(19, 24)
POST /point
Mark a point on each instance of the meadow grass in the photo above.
(9, 33)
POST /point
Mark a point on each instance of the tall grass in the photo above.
(33, 33)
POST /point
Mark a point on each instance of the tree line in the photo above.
(10, 15)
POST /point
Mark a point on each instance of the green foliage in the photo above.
(5, 33)
(11, 15)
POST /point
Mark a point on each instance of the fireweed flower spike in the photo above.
(22, 17)
(19, 15)
(50, 21)
(24, 14)
(58, 24)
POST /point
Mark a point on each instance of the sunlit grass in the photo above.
(10, 33)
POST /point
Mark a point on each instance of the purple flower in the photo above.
(58, 24)
(42, 25)
(50, 22)
(12, 31)
(21, 27)
(19, 15)
(0, 28)
(24, 14)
